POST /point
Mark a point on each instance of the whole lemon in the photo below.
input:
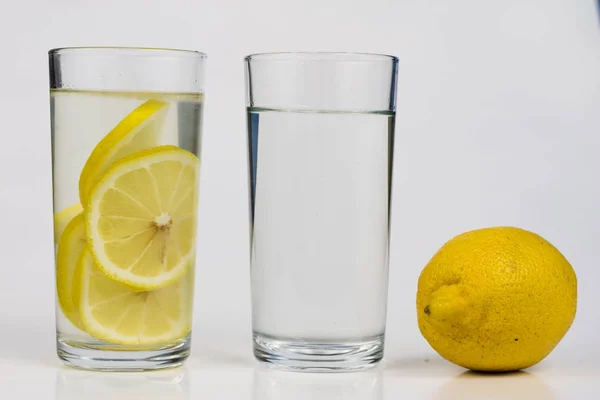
(496, 299)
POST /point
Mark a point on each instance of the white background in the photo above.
(497, 124)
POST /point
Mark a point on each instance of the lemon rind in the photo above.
(62, 219)
(67, 305)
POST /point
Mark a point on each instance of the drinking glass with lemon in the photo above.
(126, 170)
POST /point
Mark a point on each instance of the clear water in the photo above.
(80, 119)
(320, 208)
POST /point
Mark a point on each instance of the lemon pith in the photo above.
(496, 299)
(139, 130)
(141, 217)
(116, 313)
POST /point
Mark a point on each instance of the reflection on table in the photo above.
(515, 385)
(158, 385)
(271, 384)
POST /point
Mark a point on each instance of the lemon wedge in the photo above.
(116, 313)
(62, 219)
(137, 131)
(141, 217)
(70, 247)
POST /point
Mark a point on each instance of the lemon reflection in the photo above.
(157, 385)
(475, 385)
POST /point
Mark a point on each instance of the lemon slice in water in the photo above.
(116, 313)
(62, 219)
(71, 245)
(141, 217)
(137, 131)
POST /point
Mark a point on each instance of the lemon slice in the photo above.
(116, 313)
(137, 131)
(62, 218)
(70, 247)
(141, 218)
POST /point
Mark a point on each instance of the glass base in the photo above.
(318, 357)
(104, 357)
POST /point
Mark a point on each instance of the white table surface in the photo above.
(29, 369)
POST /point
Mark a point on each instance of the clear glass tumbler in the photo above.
(126, 138)
(320, 144)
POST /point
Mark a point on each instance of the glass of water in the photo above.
(126, 130)
(320, 144)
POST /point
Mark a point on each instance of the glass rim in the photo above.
(321, 56)
(127, 51)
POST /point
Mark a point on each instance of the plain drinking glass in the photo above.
(320, 147)
(126, 138)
